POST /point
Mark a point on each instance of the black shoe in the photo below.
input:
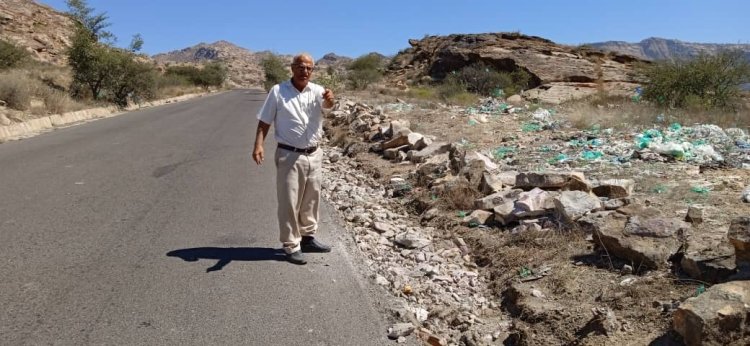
(309, 244)
(296, 257)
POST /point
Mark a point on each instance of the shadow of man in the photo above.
(226, 255)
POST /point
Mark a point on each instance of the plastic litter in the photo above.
(542, 114)
(531, 127)
(558, 158)
(501, 152)
(524, 272)
(591, 155)
(700, 290)
(675, 127)
(702, 190)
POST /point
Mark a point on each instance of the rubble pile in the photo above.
(444, 294)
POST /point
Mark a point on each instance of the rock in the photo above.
(504, 213)
(721, 315)
(334, 157)
(4, 121)
(490, 183)
(746, 195)
(430, 214)
(694, 214)
(486, 161)
(739, 237)
(516, 100)
(508, 178)
(644, 243)
(429, 338)
(393, 153)
(534, 203)
(408, 140)
(545, 180)
(604, 321)
(422, 143)
(614, 188)
(382, 281)
(382, 227)
(400, 329)
(614, 204)
(572, 205)
(430, 150)
(497, 198)
(398, 128)
(577, 183)
(411, 240)
(477, 217)
(521, 303)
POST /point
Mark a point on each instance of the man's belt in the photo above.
(306, 151)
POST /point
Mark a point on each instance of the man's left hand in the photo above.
(328, 98)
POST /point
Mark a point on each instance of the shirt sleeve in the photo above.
(267, 113)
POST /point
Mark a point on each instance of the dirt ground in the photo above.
(575, 279)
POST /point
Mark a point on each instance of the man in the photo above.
(295, 108)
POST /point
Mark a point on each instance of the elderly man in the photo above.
(295, 108)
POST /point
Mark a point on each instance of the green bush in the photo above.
(213, 74)
(706, 82)
(10, 55)
(275, 71)
(365, 70)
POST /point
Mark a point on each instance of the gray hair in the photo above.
(297, 58)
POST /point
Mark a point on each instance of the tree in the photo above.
(88, 60)
(364, 71)
(95, 24)
(136, 43)
(275, 71)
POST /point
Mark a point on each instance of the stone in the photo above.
(411, 240)
(382, 227)
(490, 183)
(545, 180)
(508, 178)
(633, 240)
(614, 204)
(572, 205)
(497, 198)
(334, 157)
(477, 217)
(614, 188)
(604, 321)
(746, 195)
(739, 237)
(392, 153)
(408, 140)
(382, 281)
(534, 203)
(694, 214)
(398, 128)
(430, 150)
(515, 100)
(422, 143)
(504, 213)
(720, 315)
(476, 156)
(400, 329)
(4, 121)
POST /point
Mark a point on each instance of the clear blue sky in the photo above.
(353, 28)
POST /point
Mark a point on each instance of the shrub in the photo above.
(16, 89)
(10, 55)
(705, 82)
(330, 80)
(485, 80)
(365, 70)
(56, 102)
(275, 71)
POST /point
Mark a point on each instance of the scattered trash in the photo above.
(700, 290)
(542, 114)
(675, 127)
(524, 272)
(660, 189)
(531, 127)
(701, 190)
(591, 155)
(461, 214)
(501, 152)
(558, 158)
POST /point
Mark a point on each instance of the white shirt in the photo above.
(297, 116)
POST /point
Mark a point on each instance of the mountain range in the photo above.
(655, 48)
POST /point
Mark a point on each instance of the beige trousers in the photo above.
(298, 179)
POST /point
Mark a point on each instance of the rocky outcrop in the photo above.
(44, 32)
(558, 72)
(720, 316)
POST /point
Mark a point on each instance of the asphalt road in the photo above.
(154, 227)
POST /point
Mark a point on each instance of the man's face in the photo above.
(302, 70)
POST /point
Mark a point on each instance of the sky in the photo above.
(353, 28)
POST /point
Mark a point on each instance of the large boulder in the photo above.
(572, 205)
(719, 316)
(645, 242)
(546, 180)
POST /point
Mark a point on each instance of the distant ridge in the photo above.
(655, 48)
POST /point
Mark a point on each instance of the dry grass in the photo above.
(16, 89)
(621, 113)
